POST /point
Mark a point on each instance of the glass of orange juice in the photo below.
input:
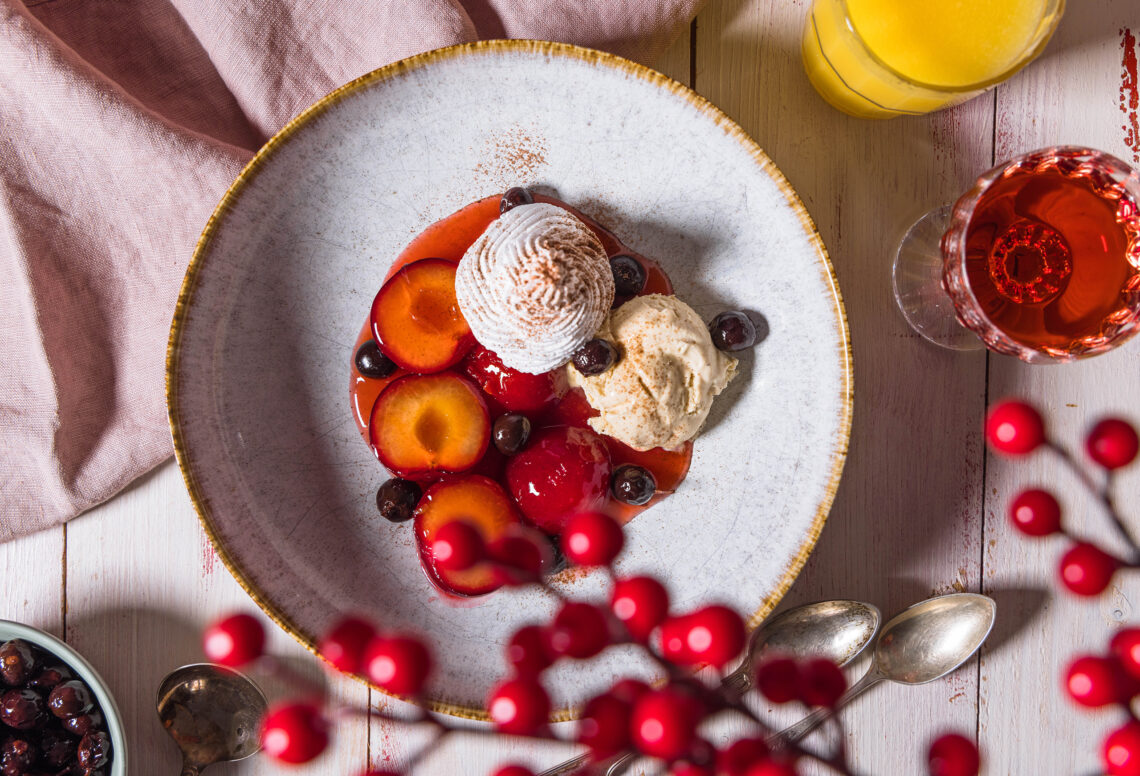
(886, 58)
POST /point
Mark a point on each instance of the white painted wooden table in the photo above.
(921, 506)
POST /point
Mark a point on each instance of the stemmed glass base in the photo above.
(917, 276)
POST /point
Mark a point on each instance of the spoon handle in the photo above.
(790, 735)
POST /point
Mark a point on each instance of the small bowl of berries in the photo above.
(56, 714)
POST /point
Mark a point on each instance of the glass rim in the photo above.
(1042, 38)
(962, 214)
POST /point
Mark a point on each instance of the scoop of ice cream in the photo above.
(535, 286)
(660, 391)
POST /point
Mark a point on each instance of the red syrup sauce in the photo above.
(449, 239)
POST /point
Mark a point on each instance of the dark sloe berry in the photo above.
(514, 197)
(629, 275)
(371, 362)
(633, 485)
(397, 498)
(595, 357)
(22, 709)
(732, 330)
(510, 432)
(70, 699)
(18, 662)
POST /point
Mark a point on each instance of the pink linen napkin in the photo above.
(122, 125)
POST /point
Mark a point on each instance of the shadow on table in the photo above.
(133, 670)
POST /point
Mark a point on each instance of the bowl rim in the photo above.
(537, 48)
(68, 654)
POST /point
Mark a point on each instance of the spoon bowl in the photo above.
(212, 713)
(922, 643)
(837, 630)
(932, 638)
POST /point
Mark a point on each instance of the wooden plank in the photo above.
(142, 581)
(906, 522)
(33, 580)
(1073, 94)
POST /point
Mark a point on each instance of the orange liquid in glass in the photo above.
(1053, 256)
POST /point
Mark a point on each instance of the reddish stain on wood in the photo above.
(1130, 93)
(209, 557)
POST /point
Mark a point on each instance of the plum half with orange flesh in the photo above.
(416, 318)
(478, 501)
(429, 423)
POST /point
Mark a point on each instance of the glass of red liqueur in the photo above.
(1039, 260)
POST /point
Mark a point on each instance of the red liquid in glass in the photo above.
(449, 239)
(1053, 256)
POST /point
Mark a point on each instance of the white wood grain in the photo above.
(141, 580)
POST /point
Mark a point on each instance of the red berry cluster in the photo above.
(1093, 681)
(1016, 428)
(629, 718)
(1097, 681)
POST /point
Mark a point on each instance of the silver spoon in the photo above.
(212, 713)
(923, 643)
(837, 630)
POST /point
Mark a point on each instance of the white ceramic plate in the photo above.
(286, 270)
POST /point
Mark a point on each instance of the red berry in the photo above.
(772, 768)
(513, 770)
(713, 635)
(592, 539)
(716, 635)
(605, 726)
(398, 664)
(521, 556)
(514, 390)
(641, 603)
(1014, 428)
(1035, 513)
(953, 755)
(1125, 646)
(821, 683)
(1095, 681)
(345, 642)
(685, 768)
(579, 630)
(1112, 443)
(519, 706)
(1087, 569)
(457, 545)
(778, 679)
(528, 650)
(234, 641)
(675, 643)
(1121, 750)
(664, 723)
(740, 756)
(294, 732)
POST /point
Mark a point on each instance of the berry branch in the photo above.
(630, 719)
(1017, 429)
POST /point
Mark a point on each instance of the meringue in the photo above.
(661, 389)
(535, 286)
